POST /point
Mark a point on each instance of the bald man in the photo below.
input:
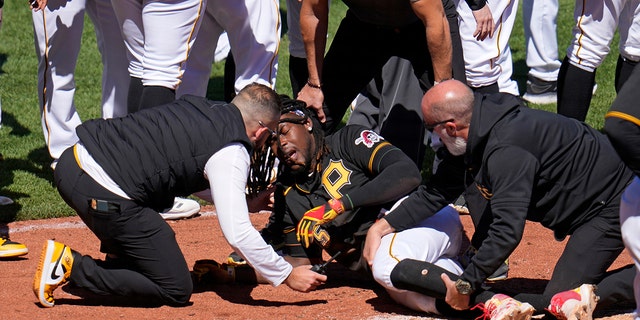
(522, 165)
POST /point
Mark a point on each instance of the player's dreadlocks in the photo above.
(261, 171)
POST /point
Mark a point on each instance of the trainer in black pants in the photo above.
(591, 249)
(159, 272)
(359, 50)
(589, 252)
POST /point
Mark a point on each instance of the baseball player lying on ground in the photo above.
(329, 191)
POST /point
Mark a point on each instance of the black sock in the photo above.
(298, 74)
(575, 89)
(229, 78)
(623, 71)
(156, 95)
(492, 88)
(134, 95)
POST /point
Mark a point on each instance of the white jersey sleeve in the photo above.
(227, 171)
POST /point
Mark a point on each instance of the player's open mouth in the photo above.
(290, 156)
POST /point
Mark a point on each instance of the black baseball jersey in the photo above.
(363, 169)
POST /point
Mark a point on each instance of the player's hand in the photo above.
(454, 298)
(374, 237)
(485, 27)
(37, 4)
(311, 220)
(303, 279)
(314, 98)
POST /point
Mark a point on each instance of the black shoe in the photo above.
(540, 91)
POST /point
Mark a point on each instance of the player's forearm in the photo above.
(439, 44)
(314, 17)
(432, 15)
(397, 177)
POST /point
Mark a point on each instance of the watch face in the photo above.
(463, 287)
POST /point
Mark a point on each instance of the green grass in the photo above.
(25, 175)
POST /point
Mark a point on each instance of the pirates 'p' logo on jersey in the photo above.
(334, 177)
(368, 138)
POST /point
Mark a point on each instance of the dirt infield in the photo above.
(345, 296)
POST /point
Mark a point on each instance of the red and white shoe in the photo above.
(503, 307)
(576, 304)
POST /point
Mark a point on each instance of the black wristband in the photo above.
(319, 86)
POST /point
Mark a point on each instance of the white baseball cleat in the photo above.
(182, 208)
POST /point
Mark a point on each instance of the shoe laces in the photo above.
(486, 310)
(490, 308)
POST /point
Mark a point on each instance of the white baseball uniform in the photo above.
(436, 240)
(223, 48)
(57, 33)
(596, 23)
(541, 39)
(489, 61)
(159, 36)
(253, 29)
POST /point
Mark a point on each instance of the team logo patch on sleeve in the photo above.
(368, 138)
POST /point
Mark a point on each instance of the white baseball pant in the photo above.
(159, 36)
(596, 23)
(541, 38)
(489, 61)
(437, 240)
(253, 29)
(57, 31)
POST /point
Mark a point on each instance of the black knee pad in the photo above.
(422, 277)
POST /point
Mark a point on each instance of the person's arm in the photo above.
(511, 184)
(314, 22)
(227, 171)
(392, 172)
(438, 39)
(444, 187)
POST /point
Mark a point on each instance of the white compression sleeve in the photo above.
(227, 171)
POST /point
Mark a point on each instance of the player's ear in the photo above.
(309, 125)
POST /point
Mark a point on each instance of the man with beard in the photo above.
(522, 164)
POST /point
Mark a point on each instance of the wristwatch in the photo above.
(463, 287)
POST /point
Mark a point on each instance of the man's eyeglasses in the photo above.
(273, 133)
(432, 126)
